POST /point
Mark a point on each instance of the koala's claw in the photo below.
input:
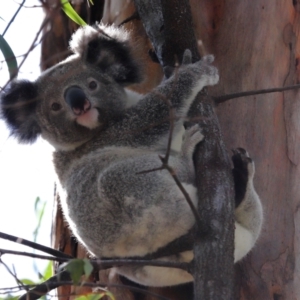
(243, 171)
(209, 74)
(187, 57)
(208, 58)
(242, 161)
(191, 138)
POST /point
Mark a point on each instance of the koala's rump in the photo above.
(119, 212)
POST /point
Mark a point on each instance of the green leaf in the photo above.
(81, 298)
(28, 282)
(71, 13)
(10, 297)
(48, 273)
(96, 296)
(76, 269)
(87, 267)
(36, 203)
(109, 294)
(39, 213)
(10, 57)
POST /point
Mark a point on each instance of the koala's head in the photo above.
(69, 103)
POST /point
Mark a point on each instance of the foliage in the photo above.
(97, 296)
(39, 208)
(71, 13)
(78, 267)
(10, 57)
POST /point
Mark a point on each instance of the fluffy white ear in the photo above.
(81, 38)
(108, 48)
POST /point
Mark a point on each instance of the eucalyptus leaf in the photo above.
(76, 269)
(48, 273)
(28, 282)
(71, 13)
(88, 267)
(9, 297)
(10, 57)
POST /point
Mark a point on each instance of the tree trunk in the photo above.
(256, 46)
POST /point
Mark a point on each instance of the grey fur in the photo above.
(104, 135)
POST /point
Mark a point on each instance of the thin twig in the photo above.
(223, 98)
(184, 192)
(45, 22)
(47, 286)
(13, 275)
(13, 18)
(17, 288)
(36, 246)
(134, 16)
(100, 264)
(33, 255)
(32, 46)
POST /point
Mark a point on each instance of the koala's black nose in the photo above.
(77, 100)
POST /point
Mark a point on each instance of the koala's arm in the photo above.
(177, 92)
(248, 212)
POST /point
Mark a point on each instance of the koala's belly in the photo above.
(114, 211)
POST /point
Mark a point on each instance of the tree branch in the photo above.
(64, 276)
(168, 24)
(13, 18)
(48, 250)
(223, 98)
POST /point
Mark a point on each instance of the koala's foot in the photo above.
(191, 138)
(243, 171)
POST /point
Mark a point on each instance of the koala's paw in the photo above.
(202, 71)
(191, 138)
(243, 172)
(209, 73)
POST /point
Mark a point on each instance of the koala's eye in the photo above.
(93, 85)
(55, 106)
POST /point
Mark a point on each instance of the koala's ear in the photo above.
(18, 109)
(110, 49)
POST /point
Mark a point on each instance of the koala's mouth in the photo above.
(77, 100)
(86, 114)
(88, 118)
(82, 107)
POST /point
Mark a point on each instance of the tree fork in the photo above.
(168, 24)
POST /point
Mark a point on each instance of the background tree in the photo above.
(256, 46)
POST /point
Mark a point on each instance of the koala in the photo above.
(104, 136)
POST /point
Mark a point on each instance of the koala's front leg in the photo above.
(248, 212)
(187, 81)
(178, 92)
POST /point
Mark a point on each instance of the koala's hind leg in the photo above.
(248, 212)
(183, 164)
(191, 138)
